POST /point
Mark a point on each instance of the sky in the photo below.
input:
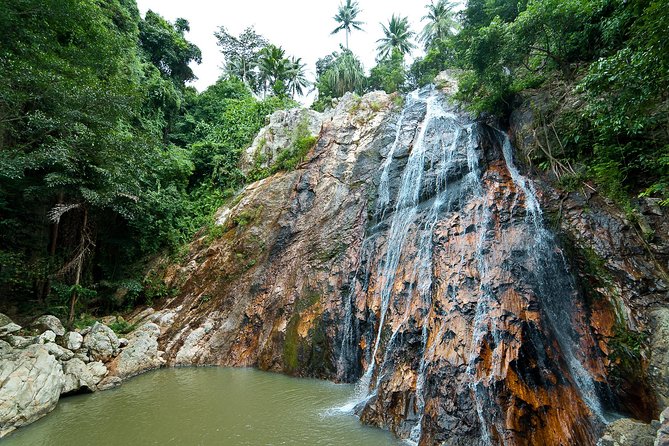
(301, 27)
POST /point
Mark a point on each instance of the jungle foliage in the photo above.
(108, 156)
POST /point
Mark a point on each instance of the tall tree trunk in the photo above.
(53, 244)
(79, 267)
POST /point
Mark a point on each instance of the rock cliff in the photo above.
(408, 252)
(473, 302)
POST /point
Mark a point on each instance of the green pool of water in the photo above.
(205, 406)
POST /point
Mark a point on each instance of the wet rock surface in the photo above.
(409, 251)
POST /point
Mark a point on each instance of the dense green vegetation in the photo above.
(598, 68)
(604, 62)
(108, 158)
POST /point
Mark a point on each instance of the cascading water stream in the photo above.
(444, 147)
(402, 218)
(556, 310)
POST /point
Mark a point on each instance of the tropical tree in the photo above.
(346, 17)
(274, 69)
(165, 45)
(296, 77)
(337, 74)
(441, 22)
(389, 74)
(241, 54)
(397, 36)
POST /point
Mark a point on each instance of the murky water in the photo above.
(205, 406)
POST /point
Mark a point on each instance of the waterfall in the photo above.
(437, 156)
(556, 280)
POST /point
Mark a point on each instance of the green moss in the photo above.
(121, 326)
(291, 345)
(247, 217)
(319, 362)
(307, 301)
(375, 106)
(258, 172)
(332, 253)
(398, 100)
(626, 349)
(214, 232)
(84, 320)
(299, 352)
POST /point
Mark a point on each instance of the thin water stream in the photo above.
(205, 406)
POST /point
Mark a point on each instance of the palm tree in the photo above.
(441, 22)
(296, 77)
(345, 74)
(346, 18)
(397, 36)
(273, 67)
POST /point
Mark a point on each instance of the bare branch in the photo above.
(59, 210)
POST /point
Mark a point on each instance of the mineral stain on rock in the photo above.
(409, 252)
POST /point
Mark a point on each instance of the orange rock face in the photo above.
(409, 252)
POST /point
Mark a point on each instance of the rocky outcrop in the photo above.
(626, 432)
(408, 251)
(662, 438)
(140, 355)
(35, 371)
(31, 384)
(284, 127)
(100, 342)
(48, 322)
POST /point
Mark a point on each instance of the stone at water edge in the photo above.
(48, 322)
(79, 375)
(32, 382)
(140, 355)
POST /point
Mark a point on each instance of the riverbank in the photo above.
(43, 362)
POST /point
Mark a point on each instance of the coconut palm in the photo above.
(273, 67)
(346, 17)
(397, 36)
(297, 80)
(441, 22)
